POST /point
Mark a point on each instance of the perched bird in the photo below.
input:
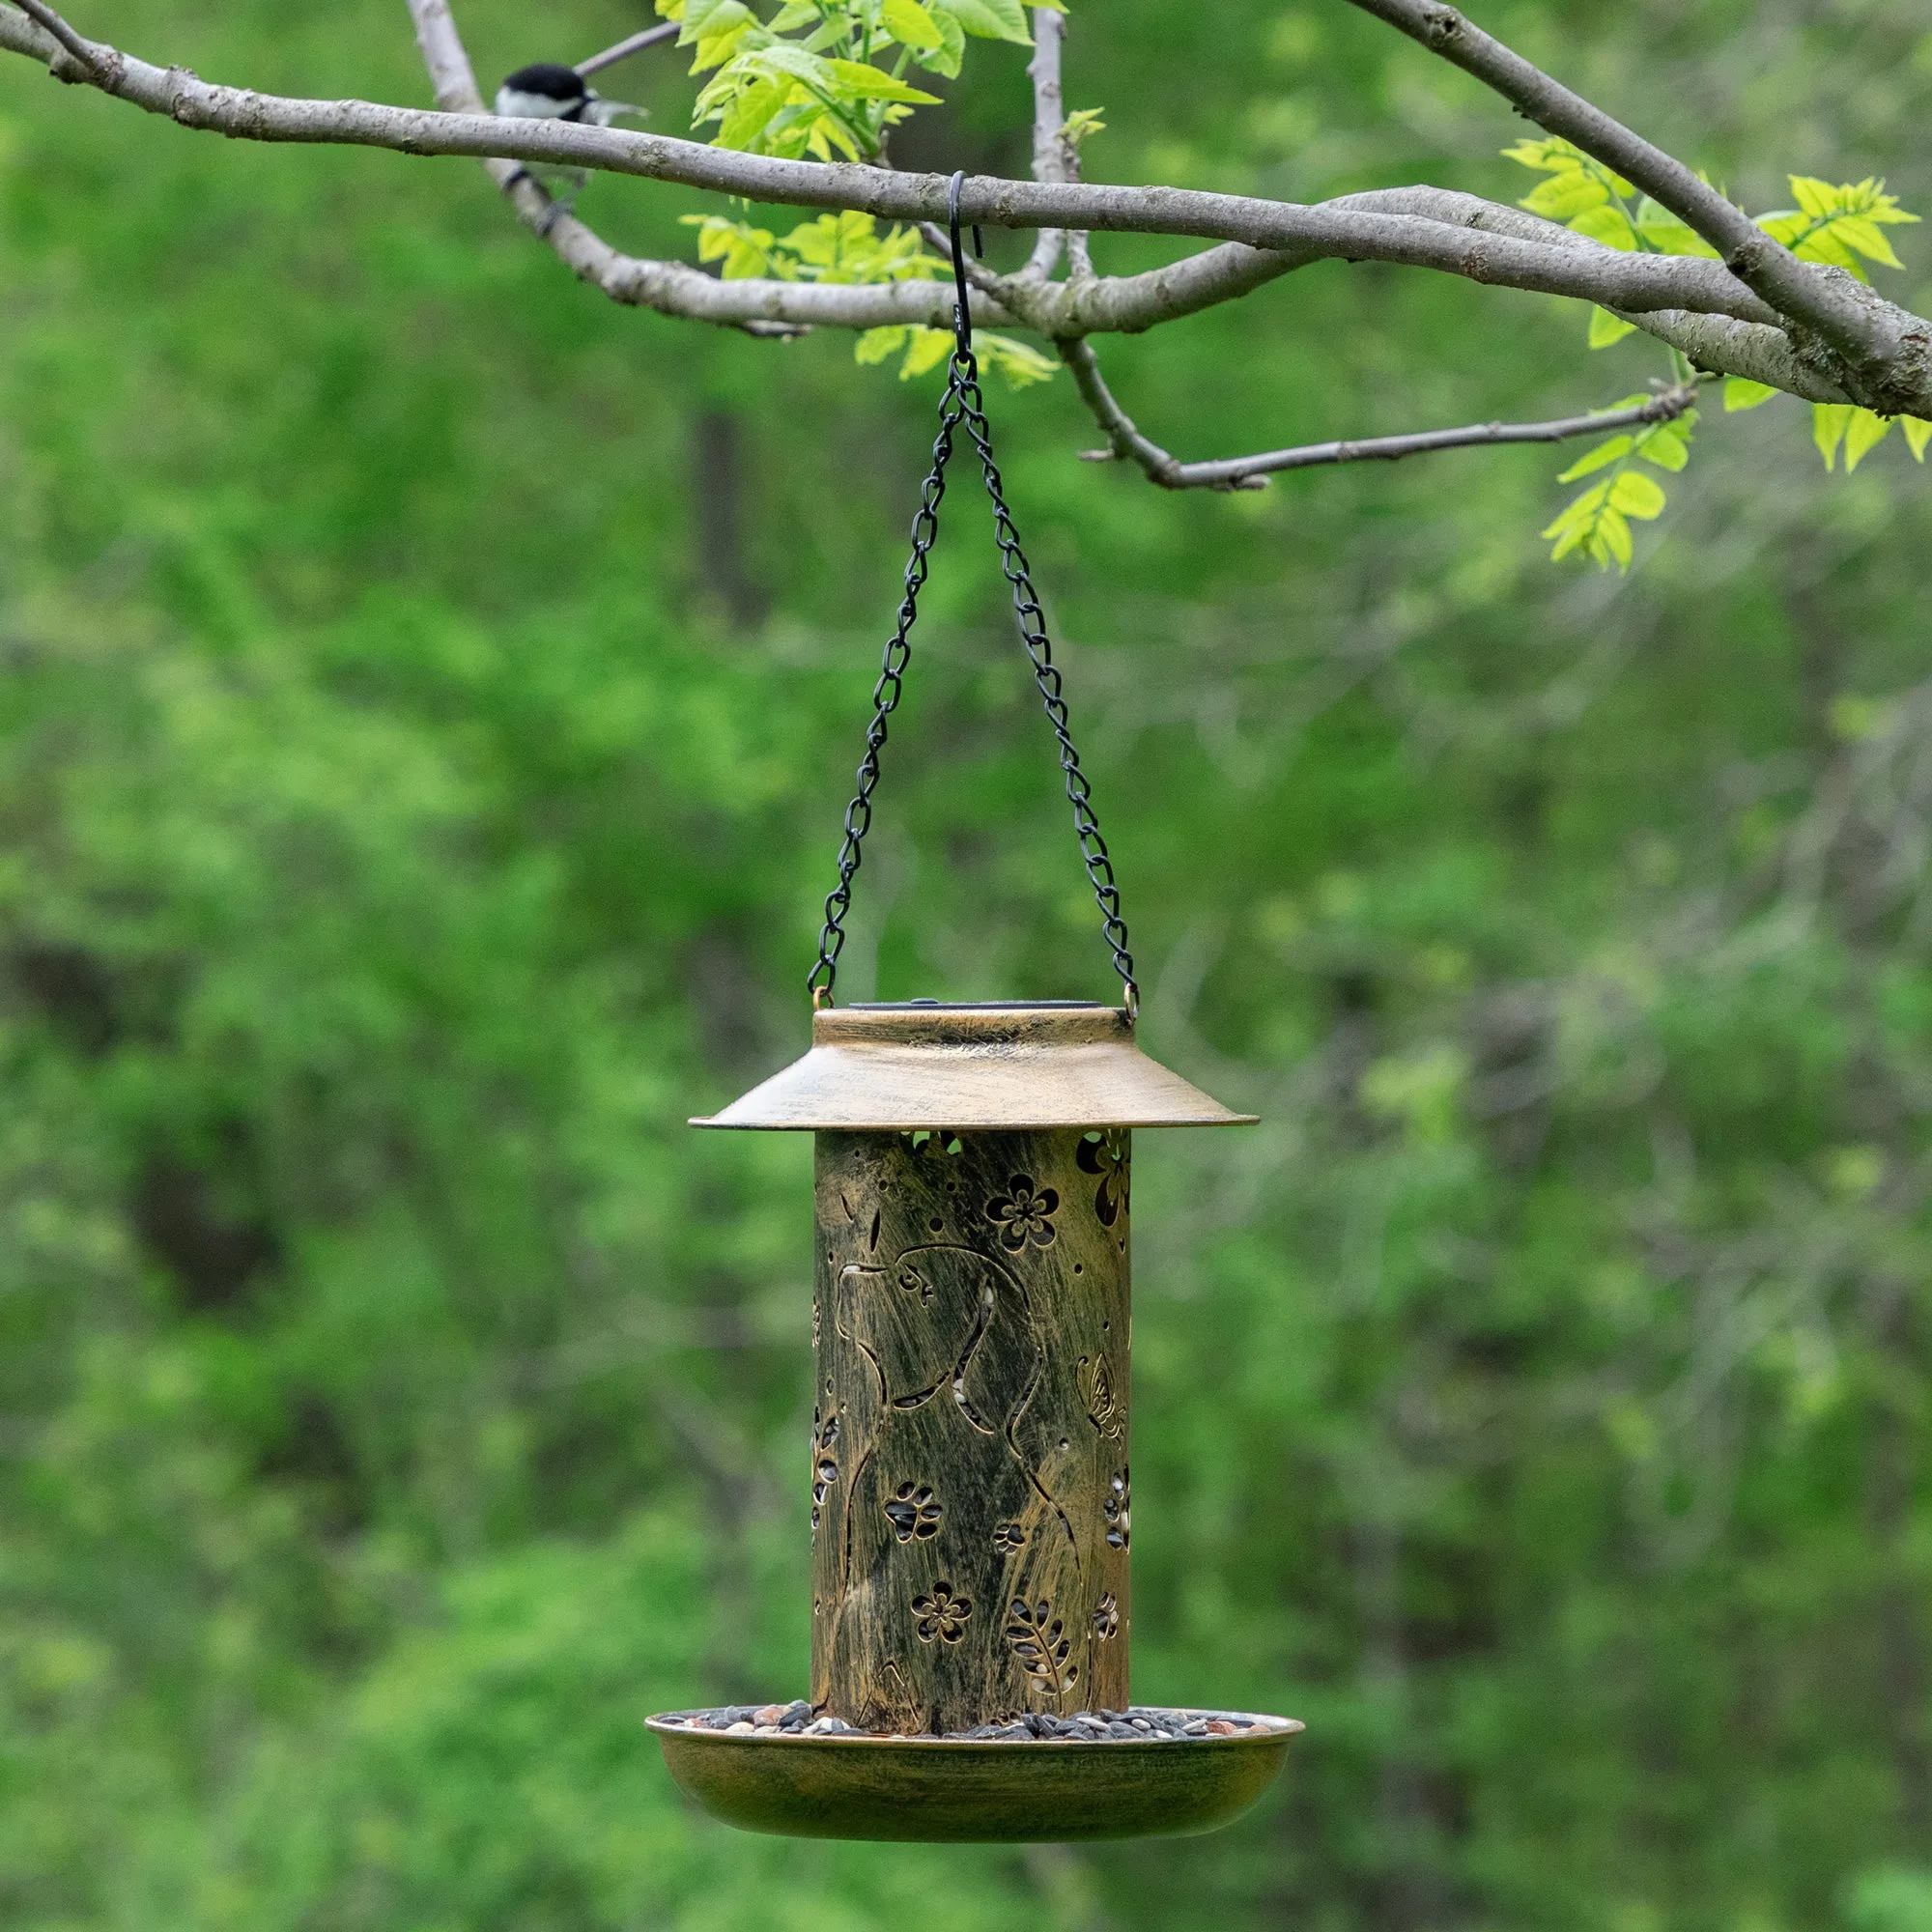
(547, 91)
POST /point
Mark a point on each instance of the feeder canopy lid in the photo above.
(925, 1064)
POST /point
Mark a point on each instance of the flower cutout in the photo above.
(1106, 1617)
(913, 1513)
(1107, 1156)
(1007, 1537)
(1117, 1506)
(941, 1615)
(1023, 1214)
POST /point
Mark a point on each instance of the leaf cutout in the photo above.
(1041, 1643)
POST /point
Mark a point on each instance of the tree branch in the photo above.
(1720, 345)
(1673, 296)
(1330, 230)
(1126, 443)
(1890, 354)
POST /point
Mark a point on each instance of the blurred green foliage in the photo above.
(429, 693)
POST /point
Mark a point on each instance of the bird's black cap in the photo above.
(549, 78)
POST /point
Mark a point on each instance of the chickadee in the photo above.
(547, 91)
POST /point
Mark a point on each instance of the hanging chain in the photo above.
(885, 701)
(964, 403)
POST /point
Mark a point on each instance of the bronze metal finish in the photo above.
(957, 1790)
(970, 1497)
(1059, 1064)
(970, 1492)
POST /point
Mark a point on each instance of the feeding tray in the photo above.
(970, 1790)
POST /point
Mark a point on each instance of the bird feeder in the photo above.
(971, 1495)
(971, 1491)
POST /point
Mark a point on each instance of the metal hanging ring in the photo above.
(963, 403)
(962, 302)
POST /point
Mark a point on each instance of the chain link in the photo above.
(964, 403)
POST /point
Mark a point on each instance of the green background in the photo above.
(427, 696)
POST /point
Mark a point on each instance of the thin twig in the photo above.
(625, 48)
(1126, 443)
(1049, 116)
(82, 49)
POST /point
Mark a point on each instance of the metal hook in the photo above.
(962, 310)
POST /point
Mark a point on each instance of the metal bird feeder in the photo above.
(971, 1493)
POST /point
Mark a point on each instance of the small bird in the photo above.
(547, 91)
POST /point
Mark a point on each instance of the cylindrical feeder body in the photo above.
(971, 1497)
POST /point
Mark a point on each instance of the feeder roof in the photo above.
(1048, 1063)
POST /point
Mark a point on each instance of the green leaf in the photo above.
(1742, 393)
(1838, 225)
(1082, 122)
(909, 23)
(1549, 155)
(1863, 434)
(1829, 424)
(1595, 522)
(1917, 434)
(1563, 197)
(1859, 232)
(1554, 155)
(1816, 198)
(990, 19)
(950, 55)
(930, 348)
(743, 124)
(1018, 362)
(1667, 444)
(856, 80)
(1663, 232)
(1607, 224)
(1606, 329)
(713, 49)
(745, 251)
(1635, 494)
(876, 344)
(709, 17)
(1605, 454)
(1581, 509)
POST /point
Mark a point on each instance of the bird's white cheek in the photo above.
(513, 105)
